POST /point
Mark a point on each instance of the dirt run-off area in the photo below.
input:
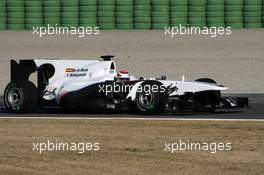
(130, 147)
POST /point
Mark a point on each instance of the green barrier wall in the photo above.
(131, 14)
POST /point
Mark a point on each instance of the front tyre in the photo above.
(21, 97)
(151, 99)
(206, 80)
(207, 100)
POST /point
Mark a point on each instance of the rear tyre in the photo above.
(151, 99)
(21, 97)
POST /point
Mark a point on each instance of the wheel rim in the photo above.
(145, 100)
(15, 97)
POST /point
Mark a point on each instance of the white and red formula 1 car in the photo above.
(96, 84)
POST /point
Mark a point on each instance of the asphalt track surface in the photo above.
(254, 112)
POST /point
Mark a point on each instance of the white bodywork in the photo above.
(182, 87)
(73, 75)
(82, 74)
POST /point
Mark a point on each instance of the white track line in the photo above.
(143, 119)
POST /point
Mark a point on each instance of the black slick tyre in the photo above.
(21, 97)
(151, 98)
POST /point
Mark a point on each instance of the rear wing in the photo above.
(21, 70)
